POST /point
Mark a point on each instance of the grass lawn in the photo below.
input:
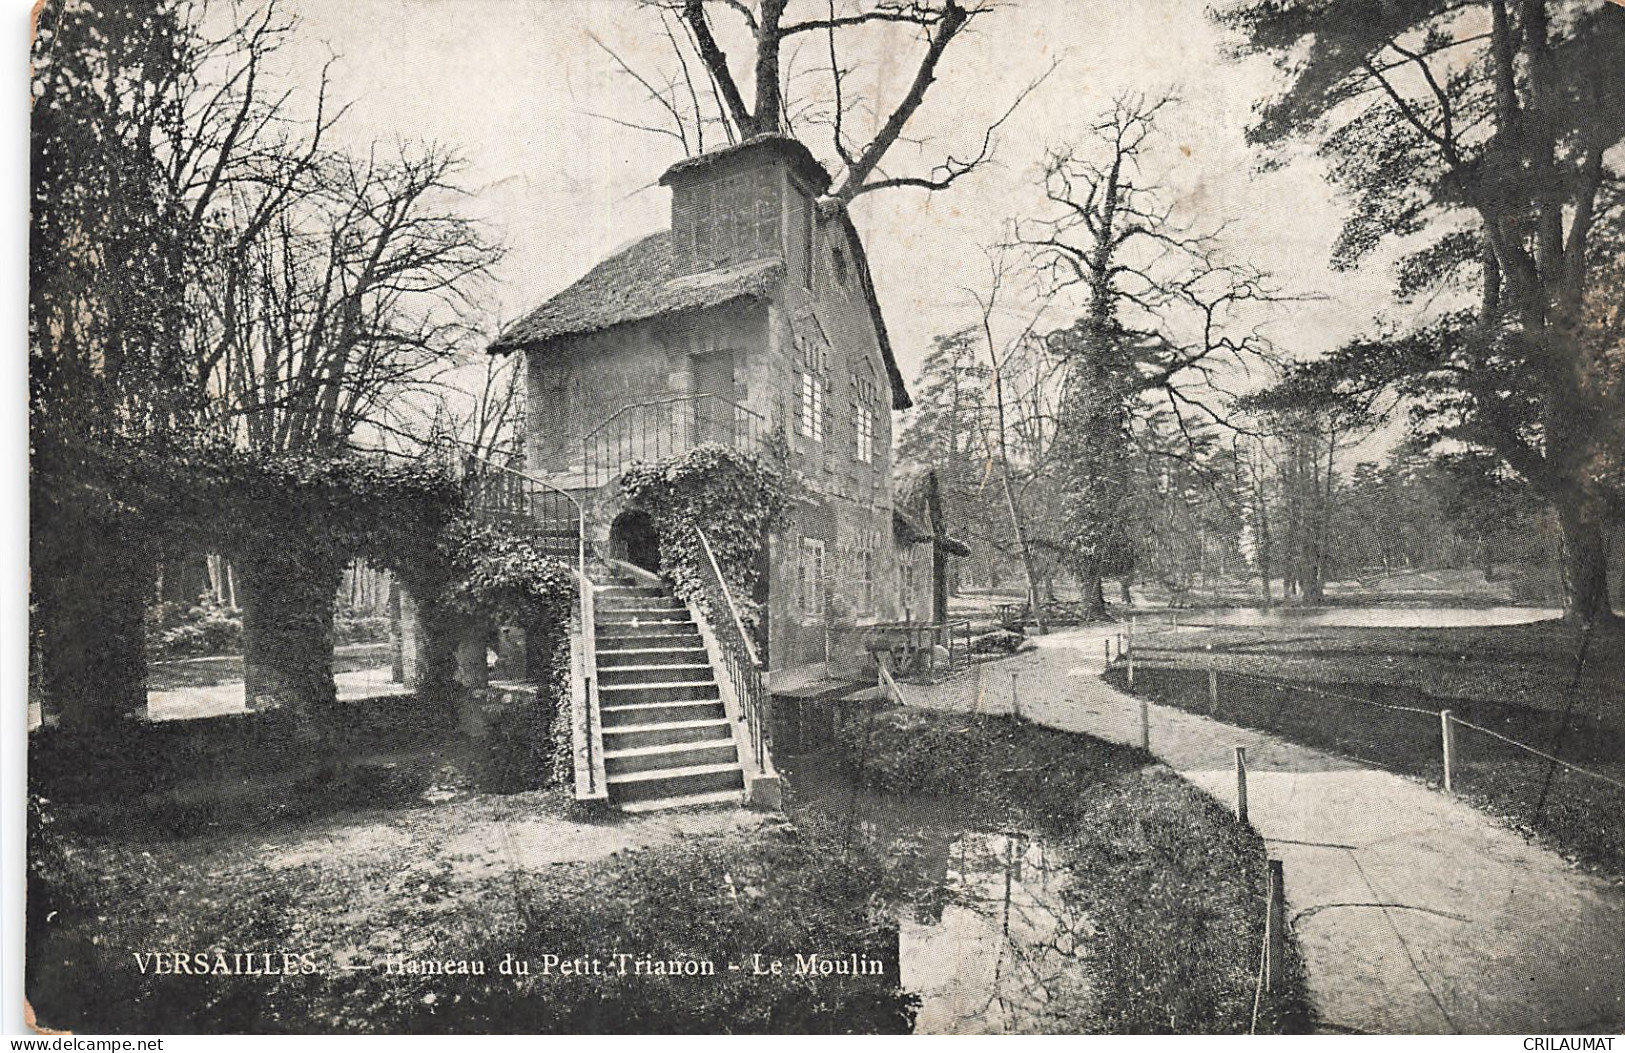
(1544, 684)
(234, 854)
(363, 891)
(1173, 885)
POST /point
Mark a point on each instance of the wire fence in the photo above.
(1570, 787)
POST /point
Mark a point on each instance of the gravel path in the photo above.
(1416, 913)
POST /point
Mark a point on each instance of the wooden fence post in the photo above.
(1275, 928)
(1107, 645)
(1145, 723)
(1447, 729)
(1131, 670)
(1241, 783)
(1015, 699)
(1212, 690)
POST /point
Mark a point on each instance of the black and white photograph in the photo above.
(820, 517)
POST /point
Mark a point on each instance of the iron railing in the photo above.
(739, 656)
(558, 523)
(649, 431)
(551, 517)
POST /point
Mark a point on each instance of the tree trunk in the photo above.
(1093, 587)
(1585, 561)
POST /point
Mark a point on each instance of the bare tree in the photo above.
(705, 91)
(1163, 322)
(353, 291)
(996, 438)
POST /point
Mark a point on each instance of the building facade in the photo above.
(752, 317)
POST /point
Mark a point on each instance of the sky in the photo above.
(514, 86)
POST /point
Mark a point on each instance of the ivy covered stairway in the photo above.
(667, 739)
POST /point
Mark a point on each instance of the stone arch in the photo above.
(634, 537)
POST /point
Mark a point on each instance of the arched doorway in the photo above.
(633, 537)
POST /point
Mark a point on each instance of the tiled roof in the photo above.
(632, 285)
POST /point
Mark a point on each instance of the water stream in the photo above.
(987, 937)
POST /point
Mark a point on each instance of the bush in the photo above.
(207, 627)
(736, 496)
(999, 641)
(364, 629)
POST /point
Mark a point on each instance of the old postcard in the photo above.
(827, 516)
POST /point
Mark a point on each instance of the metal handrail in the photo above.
(589, 647)
(656, 428)
(671, 401)
(744, 667)
(727, 594)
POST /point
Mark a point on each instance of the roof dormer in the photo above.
(739, 204)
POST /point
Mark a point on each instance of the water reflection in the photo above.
(989, 939)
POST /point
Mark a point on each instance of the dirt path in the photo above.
(1416, 913)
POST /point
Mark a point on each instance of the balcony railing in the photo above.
(649, 431)
(549, 516)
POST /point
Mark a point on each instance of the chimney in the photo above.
(752, 201)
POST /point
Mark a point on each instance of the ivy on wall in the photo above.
(290, 523)
(736, 496)
(502, 575)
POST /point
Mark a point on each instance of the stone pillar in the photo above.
(397, 630)
(408, 640)
(472, 672)
(429, 640)
(92, 639)
(288, 632)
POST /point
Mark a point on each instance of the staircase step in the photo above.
(653, 675)
(621, 657)
(643, 713)
(609, 602)
(664, 691)
(620, 590)
(621, 617)
(634, 736)
(648, 636)
(675, 782)
(660, 804)
(669, 755)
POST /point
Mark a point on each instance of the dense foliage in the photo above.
(735, 496)
(503, 575)
(1486, 136)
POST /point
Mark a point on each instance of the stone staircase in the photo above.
(667, 739)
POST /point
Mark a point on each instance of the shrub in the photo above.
(736, 496)
(207, 627)
(364, 629)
